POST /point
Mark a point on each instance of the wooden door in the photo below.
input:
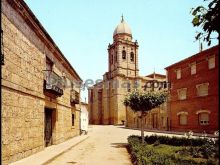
(48, 127)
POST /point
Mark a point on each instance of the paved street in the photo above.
(104, 146)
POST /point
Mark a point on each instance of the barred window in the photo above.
(204, 119)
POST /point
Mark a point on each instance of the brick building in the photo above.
(40, 99)
(193, 103)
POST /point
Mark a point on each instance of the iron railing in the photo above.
(53, 83)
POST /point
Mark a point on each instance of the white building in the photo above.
(84, 118)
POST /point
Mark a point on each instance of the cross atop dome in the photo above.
(122, 18)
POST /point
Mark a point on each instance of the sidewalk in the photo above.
(49, 153)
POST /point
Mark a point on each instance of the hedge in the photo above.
(142, 154)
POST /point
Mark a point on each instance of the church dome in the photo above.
(122, 28)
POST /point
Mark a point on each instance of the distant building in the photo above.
(193, 103)
(40, 101)
(106, 97)
(84, 118)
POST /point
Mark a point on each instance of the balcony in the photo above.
(53, 83)
(74, 97)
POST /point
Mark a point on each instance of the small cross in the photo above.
(122, 18)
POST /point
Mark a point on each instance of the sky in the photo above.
(82, 29)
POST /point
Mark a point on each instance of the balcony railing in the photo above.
(74, 97)
(53, 83)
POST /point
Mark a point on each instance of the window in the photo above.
(178, 73)
(204, 119)
(73, 118)
(116, 58)
(132, 56)
(49, 64)
(182, 93)
(112, 58)
(193, 68)
(211, 62)
(123, 54)
(183, 119)
(202, 89)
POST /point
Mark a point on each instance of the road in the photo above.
(105, 146)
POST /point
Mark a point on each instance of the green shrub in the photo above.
(152, 152)
(207, 150)
(177, 141)
(194, 151)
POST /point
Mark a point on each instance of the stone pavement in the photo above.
(51, 152)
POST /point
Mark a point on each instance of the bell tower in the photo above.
(123, 52)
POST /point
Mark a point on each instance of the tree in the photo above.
(207, 19)
(143, 102)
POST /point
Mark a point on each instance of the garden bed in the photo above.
(163, 150)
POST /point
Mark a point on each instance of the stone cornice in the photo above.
(122, 41)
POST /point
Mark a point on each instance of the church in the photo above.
(106, 97)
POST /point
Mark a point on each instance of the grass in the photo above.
(174, 151)
(163, 148)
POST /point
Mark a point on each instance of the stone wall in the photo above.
(23, 98)
(114, 110)
(22, 125)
